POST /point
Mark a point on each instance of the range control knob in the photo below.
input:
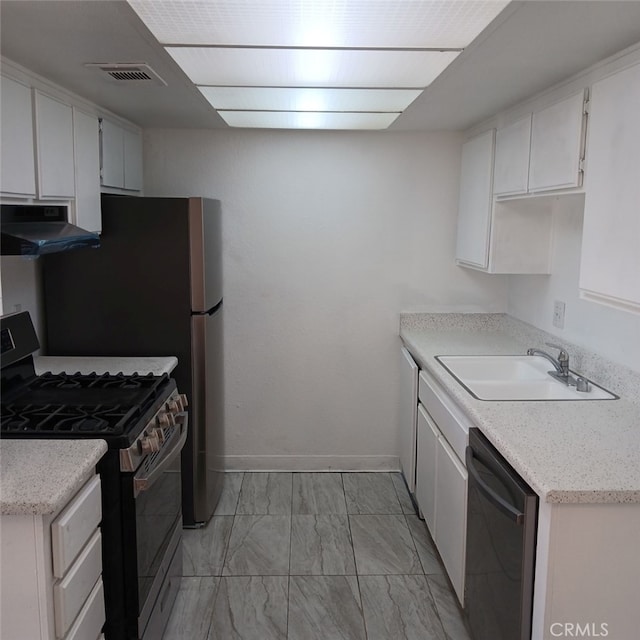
(183, 399)
(164, 419)
(158, 432)
(149, 444)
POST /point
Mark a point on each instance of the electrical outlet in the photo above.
(558, 314)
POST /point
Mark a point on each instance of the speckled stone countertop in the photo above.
(38, 477)
(567, 451)
(90, 364)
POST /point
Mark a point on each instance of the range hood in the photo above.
(36, 230)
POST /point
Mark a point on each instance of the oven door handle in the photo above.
(509, 510)
(145, 481)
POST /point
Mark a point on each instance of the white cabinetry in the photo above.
(511, 168)
(441, 477)
(610, 261)
(427, 456)
(121, 157)
(55, 562)
(54, 146)
(557, 145)
(86, 140)
(474, 209)
(407, 417)
(18, 175)
(542, 151)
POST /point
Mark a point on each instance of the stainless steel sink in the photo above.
(517, 377)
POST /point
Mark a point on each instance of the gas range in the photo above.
(144, 421)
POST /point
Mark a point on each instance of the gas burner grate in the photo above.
(62, 419)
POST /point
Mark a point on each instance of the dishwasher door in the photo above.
(501, 537)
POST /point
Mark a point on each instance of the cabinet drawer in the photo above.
(70, 593)
(452, 424)
(74, 526)
(89, 622)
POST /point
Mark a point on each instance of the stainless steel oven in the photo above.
(144, 420)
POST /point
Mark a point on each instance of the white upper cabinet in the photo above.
(87, 168)
(54, 145)
(543, 151)
(474, 208)
(121, 157)
(511, 168)
(557, 144)
(610, 261)
(18, 175)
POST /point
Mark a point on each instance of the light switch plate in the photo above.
(558, 314)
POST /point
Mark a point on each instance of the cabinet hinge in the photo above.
(581, 165)
(585, 107)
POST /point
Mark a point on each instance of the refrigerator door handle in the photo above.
(208, 312)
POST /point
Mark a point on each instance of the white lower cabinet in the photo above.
(55, 564)
(441, 477)
(451, 513)
(427, 457)
(407, 417)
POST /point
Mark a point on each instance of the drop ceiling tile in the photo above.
(307, 120)
(311, 67)
(319, 23)
(309, 99)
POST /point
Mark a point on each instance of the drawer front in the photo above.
(71, 530)
(91, 618)
(448, 418)
(70, 593)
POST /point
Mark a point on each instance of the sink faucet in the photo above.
(561, 363)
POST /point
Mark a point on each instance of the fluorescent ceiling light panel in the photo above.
(319, 23)
(311, 67)
(309, 99)
(307, 120)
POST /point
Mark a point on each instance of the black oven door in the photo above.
(152, 551)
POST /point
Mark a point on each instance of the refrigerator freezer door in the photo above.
(205, 229)
(207, 410)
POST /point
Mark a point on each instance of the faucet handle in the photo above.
(563, 355)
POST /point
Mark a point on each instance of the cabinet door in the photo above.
(132, 150)
(511, 167)
(451, 515)
(426, 468)
(87, 160)
(407, 417)
(474, 209)
(112, 148)
(18, 175)
(556, 145)
(54, 144)
(610, 261)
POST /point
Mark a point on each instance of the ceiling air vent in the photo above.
(129, 73)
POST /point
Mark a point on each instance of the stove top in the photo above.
(82, 405)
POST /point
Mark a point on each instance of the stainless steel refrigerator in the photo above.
(153, 288)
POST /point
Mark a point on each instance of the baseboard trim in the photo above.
(311, 463)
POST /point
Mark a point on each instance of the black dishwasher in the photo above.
(501, 541)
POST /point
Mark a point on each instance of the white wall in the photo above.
(21, 288)
(328, 236)
(611, 333)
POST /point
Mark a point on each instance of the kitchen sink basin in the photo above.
(517, 377)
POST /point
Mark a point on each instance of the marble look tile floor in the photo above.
(314, 556)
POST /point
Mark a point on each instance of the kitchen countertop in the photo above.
(567, 451)
(90, 364)
(38, 477)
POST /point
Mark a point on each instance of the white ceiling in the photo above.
(530, 46)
